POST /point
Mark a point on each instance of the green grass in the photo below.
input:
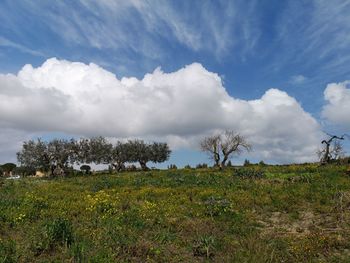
(298, 213)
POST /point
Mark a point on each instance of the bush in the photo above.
(24, 171)
(131, 168)
(249, 173)
(201, 166)
(85, 168)
(216, 206)
(187, 166)
(59, 232)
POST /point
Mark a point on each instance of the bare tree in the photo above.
(211, 145)
(332, 150)
(232, 142)
(221, 147)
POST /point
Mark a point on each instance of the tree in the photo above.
(211, 145)
(141, 152)
(95, 150)
(332, 150)
(53, 156)
(160, 152)
(119, 156)
(8, 168)
(221, 147)
(34, 154)
(246, 162)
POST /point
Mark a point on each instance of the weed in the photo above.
(59, 232)
(204, 246)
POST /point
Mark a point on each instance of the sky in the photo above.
(277, 72)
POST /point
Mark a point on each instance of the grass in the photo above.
(297, 213)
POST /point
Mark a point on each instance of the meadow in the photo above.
(297, 213)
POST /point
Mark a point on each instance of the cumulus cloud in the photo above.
(337, 109)
(178, 107)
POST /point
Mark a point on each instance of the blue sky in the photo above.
(297, 47)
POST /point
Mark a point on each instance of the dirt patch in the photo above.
(304, 223)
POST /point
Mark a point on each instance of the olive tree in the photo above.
(221, 147)
(53, 156)
(142, 152)
(119, 156)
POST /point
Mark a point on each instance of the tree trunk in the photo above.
(223, 163)
(326, 158)
(143, 165)
(217, 160)
(118, 166)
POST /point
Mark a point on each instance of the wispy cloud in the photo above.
(8, 43)
(298, 79)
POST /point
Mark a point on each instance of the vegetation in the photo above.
(221, 147)
(57, 156)
(296, 213)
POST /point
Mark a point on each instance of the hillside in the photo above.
(297, 213)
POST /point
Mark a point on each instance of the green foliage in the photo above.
(247, 173)
(8, 251)
(59, 232)
(216, 206)
(85, 168)
(294, 213)
(8, 167)
(202, 166)
(204, 247)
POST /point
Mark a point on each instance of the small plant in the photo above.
(8, 251)
(78, 251)
(216, 206)
(59, 232)
(204, 247)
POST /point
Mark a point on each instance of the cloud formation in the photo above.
(337, 109)
(179, 107)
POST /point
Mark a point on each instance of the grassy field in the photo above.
(258, 214)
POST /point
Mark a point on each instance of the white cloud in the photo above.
(178, 107)
(337, 109)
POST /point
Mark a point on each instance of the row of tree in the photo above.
(57, 155)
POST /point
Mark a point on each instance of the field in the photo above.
(298, 213)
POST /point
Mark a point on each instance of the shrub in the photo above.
(85, 168)
(24, 170)
(131, 168)
(187, 166)
(200, 166)
(216, 206)
(249, 173)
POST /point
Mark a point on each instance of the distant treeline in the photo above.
(57, 155)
